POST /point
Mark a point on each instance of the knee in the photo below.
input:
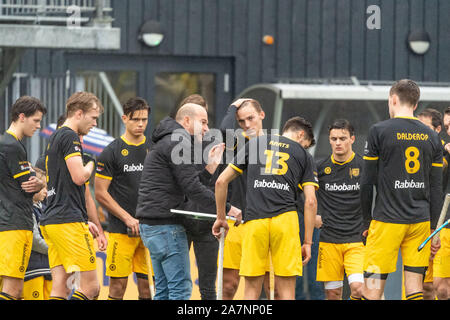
(230, 286)
(428, 291)
(93, 292)
(334, 294)
(442, 291)
(117, 287)
(356, 289)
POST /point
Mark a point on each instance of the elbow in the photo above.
(220, 183)
(98, 196)
(79, 180)
(311, 204)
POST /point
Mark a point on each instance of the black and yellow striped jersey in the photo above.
(276, 167)
(409, 166)
(339, 202)
(122, 163)
(16, 206)
(66, 201)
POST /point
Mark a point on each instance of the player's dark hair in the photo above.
(436, 117)
(254, 103)
(62, 118)
(134, 104)
(343, 124)
(447, 111)
(300, 124)
(28, 106)
(82, 100)
(407, 91)
(193, 98)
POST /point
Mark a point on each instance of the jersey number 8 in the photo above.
(412, 163)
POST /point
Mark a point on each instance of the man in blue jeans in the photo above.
(168, 177)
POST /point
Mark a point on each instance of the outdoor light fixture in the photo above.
(419, 41)
(151, 33)
(268, 40)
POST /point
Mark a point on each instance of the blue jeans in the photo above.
(169, 252)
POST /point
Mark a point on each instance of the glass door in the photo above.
(172, 79)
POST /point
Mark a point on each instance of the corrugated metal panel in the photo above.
(313, 38)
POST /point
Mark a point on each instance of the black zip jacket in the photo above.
(166, 179)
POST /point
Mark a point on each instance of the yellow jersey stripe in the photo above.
(133, 144)
(102, 176)
(236, 168)
(310, 184)
(11, 133)
(370, 158)
(72, 155)
(440, 165)
(345, 162)
(21, 174)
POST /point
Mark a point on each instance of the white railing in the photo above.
(53, 11)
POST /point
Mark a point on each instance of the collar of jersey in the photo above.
(342, 163)
(11, 133)
(133, 144)
(412, 118)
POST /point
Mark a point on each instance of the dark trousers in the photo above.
(206, 249)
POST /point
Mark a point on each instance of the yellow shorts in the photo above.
(37, 289)
(336, 258)
(385, 240)
(70, 245)
(280, 235)
(15, 250)
(232, 250)
(125, 255)
(441, 262)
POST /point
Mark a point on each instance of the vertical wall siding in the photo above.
(313, 38)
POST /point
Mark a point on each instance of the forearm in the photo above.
(229, 121)
(111, 205)
(368, 179)
(221, 198)
(366, 197)
(436, 196)
(310, 210)
(92, 211)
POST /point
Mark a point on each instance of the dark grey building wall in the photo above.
(313, 38)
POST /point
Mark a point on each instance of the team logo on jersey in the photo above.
(124, 152)
(354, 172)
(327, 170)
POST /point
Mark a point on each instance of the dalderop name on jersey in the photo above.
(133, 167)
(412, 136)
(408, 184)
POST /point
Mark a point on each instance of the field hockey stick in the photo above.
(433, 234)
(439, 224)
(443, 214)
(200, 215)
(220, 267)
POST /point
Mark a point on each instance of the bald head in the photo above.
(188, 110)
(193, 118)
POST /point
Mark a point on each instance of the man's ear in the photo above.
(262, 114)
(22, 117)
